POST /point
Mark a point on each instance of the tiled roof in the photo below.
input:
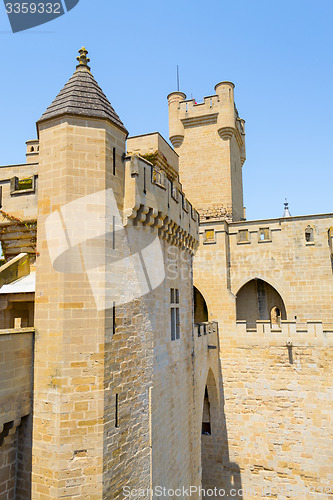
(82, 96)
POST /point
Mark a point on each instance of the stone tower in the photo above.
(210, 140)
(82, 141)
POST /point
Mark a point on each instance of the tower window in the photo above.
(309, 235)
(174, 313)
(243, 236)
(264, 234)
(209, 236)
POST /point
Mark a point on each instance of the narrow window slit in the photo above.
(117, 412)
(114, 318)
(114, 161)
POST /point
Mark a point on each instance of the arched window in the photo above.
(258, 300)
(275, 316)
(200, 307)
(32, 149)
(309, 235)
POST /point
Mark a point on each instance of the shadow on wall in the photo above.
(200, 307)
(217, 469)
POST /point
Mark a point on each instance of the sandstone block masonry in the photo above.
(16, 374)
(269, 285)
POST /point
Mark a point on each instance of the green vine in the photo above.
(16, 219)
(151, 157)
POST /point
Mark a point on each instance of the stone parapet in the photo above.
(152, 200)
(288, 332)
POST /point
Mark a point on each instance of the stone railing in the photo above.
(206, 341)
(288, 329)
(206, 328)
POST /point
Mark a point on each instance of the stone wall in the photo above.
(300, 271)
(16, 357)
(275, 378)
(278, 406)
(21, 204)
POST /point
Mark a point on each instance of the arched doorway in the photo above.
(258, 300)
(217, 469)
(210, 432)
(200, 307)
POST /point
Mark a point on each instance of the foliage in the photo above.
(151, 157)
(24, 184)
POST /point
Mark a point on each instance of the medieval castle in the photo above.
(152, 342)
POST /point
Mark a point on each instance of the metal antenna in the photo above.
(177, 78)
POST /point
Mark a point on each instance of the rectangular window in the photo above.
(243, 236)
(264, 234)
(174, 193)
(185, 203)
(174, 313)
(18, 186)
(158, 178)
(209, 236)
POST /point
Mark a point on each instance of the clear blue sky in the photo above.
(278, 54)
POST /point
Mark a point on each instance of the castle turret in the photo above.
(82, 142)
(209, 138)
(226, 118)
(176, 128)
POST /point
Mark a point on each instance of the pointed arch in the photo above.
(210, 429)
(200, 307)
(259, 300)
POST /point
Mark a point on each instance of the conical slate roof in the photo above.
(82, 96)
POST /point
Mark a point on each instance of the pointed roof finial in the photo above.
(83, 59)
(286, 209)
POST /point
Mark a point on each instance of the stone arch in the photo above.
(259, 300)
(200, 307)
(309, 234)
(275, 316)
(210, 428)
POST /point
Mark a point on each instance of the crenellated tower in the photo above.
(209, 138)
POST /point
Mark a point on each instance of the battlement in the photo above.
(153, 200)
(206, 328)
(299, 231)
(289, 332)
(210, 139)
(154, 148)
(216, 109)
(206, 342)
